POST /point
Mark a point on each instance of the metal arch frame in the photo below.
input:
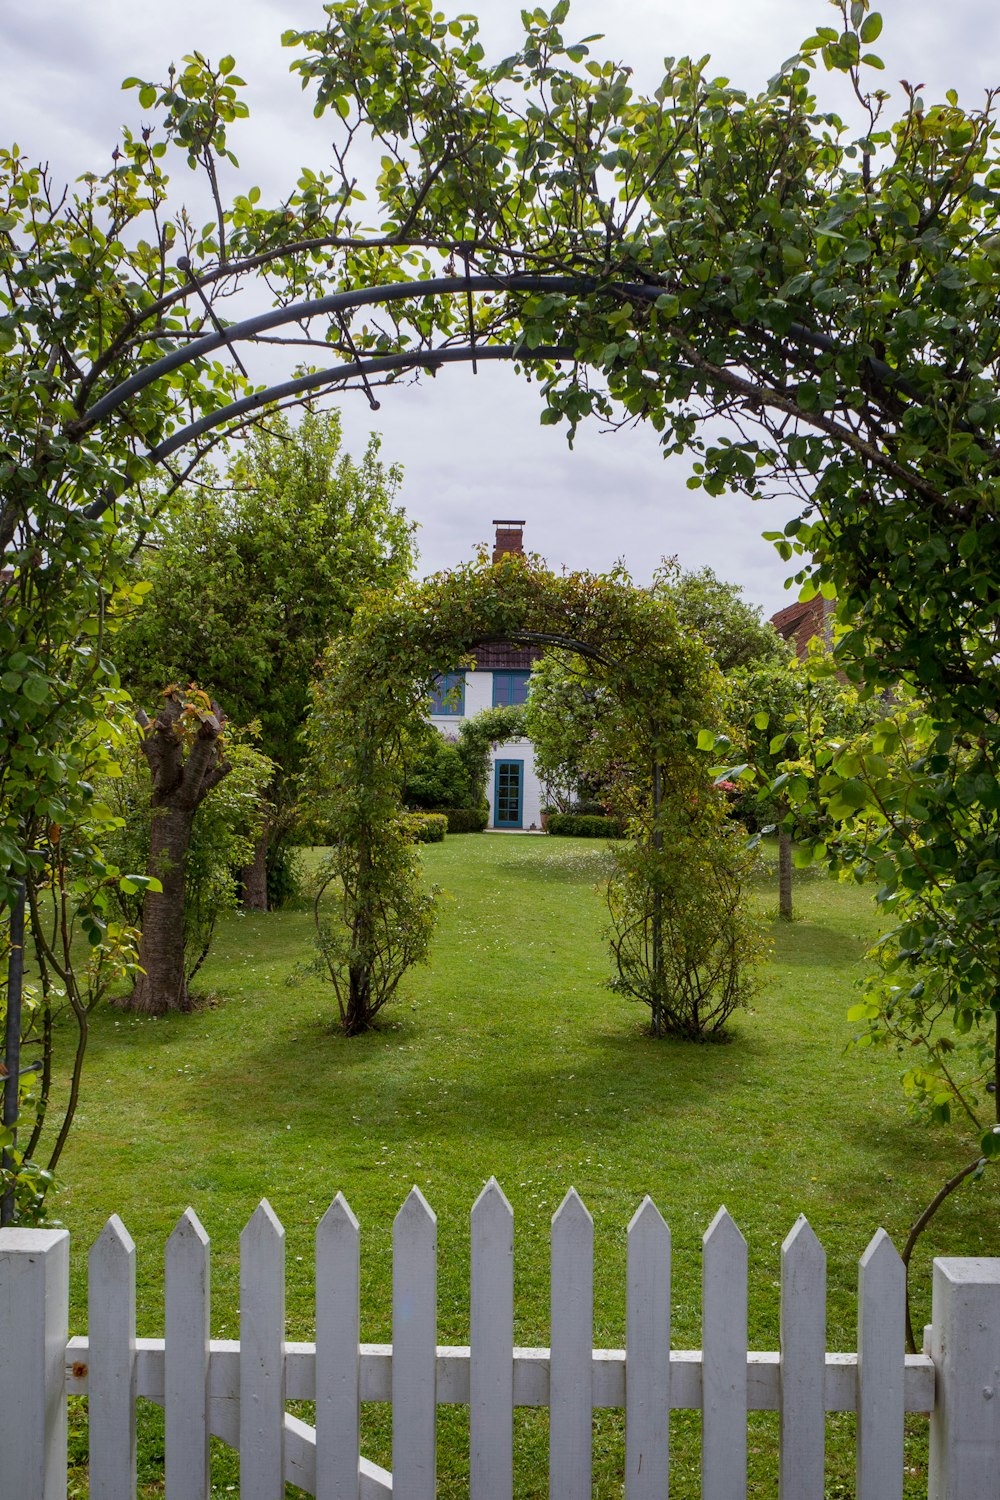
(248, 329)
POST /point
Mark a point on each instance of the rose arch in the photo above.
(372, 695)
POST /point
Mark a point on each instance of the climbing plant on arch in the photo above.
(373, 693)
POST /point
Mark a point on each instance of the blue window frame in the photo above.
(508, 794)
(510, 687)
(447, 696)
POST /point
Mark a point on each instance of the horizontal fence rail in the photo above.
(237, 1390)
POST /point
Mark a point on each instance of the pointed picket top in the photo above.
(114, 1243)
(881, 1255)
(647, 1219)
(188, 1231)
(801, 1241)
(723, 1231)
(262, 1225)
(572, 1210)
(492, 1203)
(414, 1210)
(338, 1218)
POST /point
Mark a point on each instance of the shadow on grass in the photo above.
(601, 1078)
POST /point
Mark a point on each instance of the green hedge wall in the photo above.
(584, 826)
(426, 828)
(467, 819)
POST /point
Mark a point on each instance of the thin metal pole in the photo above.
(12, 1046)
(657, 897)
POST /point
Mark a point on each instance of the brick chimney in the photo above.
(510, 539)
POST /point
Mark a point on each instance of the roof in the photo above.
(501, 656)
(799, 622)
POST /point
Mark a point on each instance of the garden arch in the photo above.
(373, 694)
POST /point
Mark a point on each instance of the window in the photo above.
(447, 696)
(510, 687)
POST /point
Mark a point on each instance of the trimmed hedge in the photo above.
(584, 826)
(425, 828)
(467, 819)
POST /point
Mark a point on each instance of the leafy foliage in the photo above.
(252, 573)
(427, 827)
(583, 826)
(373, 921)
(435, 774)
(682, 938)
(658, 676)
(222, 839)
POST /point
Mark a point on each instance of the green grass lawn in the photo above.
(507, 1055)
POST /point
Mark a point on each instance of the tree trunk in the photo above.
(182, 748)
(785, 876)
(162, 985)
(253, 878)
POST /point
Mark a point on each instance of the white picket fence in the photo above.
(238, 1390)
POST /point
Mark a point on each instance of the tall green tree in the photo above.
(252, 573)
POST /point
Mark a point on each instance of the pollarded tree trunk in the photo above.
(253, 877)
(182, 748)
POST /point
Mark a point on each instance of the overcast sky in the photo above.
(472, 447)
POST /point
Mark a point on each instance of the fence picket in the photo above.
(262, 1357)
(881, 1365)
(491, 1340)
(338, 1356)
(803, 1364)
(724, 1360)
(572, 1336)
(647, 1356)
(414, 1350)
(185, 1360)
(111, 1378)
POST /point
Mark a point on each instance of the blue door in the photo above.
(508, 792)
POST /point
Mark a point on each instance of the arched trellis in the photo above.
(329, 379)
(373, 692)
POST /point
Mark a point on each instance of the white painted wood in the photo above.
(647, 1356)
(803, 1363)
(185, 1374)
(262, 1358)
(338, 1339)
(414, 1356)
(881, 1366)
(111, 1381)
(491, 1334)
(572, 1334)
(34, 1326)
(965, 1348)
(531, 1376)
(724, 1360)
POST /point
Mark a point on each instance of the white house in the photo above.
(501, 675)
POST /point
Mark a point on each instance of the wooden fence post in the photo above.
(965, 1348)
(34, 1328)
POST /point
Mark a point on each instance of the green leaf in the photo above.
(706, 739)
(761, 720)
(871, 28)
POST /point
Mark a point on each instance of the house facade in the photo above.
(500, 678)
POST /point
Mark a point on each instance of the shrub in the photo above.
(285, 883)
(436, 776)
(708, 942)
(584, 826)
(588, 808)
(373, 921)
(425, 827)
(467, 819)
